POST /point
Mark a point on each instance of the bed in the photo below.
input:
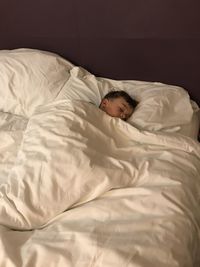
(80, 188)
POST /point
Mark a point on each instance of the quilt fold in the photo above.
(71, 152)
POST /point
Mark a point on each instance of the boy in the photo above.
(118, 104)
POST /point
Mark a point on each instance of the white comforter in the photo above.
(79, 189)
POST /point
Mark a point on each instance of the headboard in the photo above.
(131, 39)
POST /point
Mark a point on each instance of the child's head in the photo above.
(118, 104)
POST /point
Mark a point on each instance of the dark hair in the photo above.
(116, 94)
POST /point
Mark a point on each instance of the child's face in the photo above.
(117, 107)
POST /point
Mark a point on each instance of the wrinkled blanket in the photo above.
(95, 191)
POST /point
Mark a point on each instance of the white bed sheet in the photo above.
(79, 188)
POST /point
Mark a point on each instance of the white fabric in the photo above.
(68, 157)
(161, 106)
(28, 73)
(30, 78)
(191, 129)
(90, 189)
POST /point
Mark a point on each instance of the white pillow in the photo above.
(191, 129)
(161, 106)
(30, 78)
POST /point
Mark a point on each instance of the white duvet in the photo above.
(82, 189)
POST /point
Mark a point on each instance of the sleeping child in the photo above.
(118, 104)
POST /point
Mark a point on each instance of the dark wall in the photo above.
(150, 40)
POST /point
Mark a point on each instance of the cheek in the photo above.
(113, 111)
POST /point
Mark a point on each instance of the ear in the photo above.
(104, 102)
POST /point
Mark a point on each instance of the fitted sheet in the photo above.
(79, 188)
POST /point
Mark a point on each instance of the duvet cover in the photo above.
(80, 188)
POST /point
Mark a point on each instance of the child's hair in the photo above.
(116, 94)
